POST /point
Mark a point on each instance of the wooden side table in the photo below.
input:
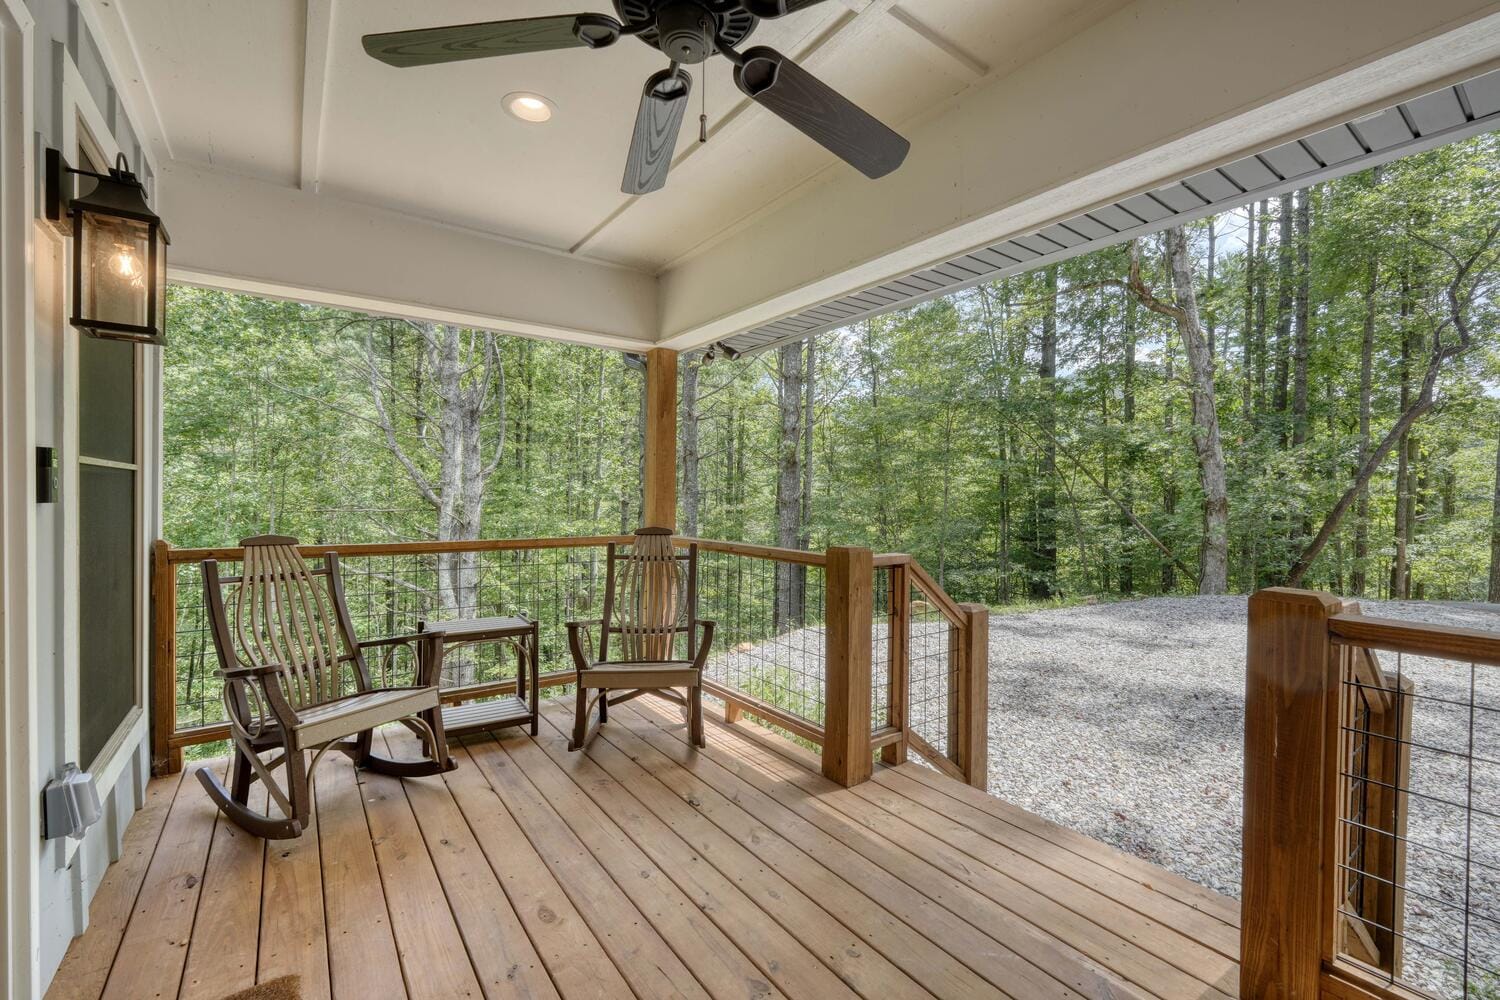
(520, 633)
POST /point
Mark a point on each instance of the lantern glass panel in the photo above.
(115, 284)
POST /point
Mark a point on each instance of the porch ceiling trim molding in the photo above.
(1434, 119)
(248, 235)
(1088, 124)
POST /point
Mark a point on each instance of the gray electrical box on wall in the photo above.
(70, 804)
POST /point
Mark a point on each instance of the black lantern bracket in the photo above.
(135, 313)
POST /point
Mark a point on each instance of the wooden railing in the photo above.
(1329, 776)
(803, 644)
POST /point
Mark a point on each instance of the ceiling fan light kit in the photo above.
(687, 32)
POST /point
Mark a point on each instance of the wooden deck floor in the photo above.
(643, 869)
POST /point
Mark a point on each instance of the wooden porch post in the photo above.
(848, 602)
(163, 700)
(660, 507)
(974, 696)
(1290, 689)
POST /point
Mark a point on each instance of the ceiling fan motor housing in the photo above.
(677, 27)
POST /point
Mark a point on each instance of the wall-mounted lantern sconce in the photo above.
(119, 252)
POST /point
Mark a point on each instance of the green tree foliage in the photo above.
(937, 429)
(271, 425)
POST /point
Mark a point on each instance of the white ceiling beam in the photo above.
(118, 49)
(235, 232)
(948, 51)
(1138, 99)
(317, 39)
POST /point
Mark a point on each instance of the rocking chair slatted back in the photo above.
(650, 599)
(279, 611)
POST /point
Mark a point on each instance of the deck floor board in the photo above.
(643, 868)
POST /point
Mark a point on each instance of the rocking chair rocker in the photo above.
(295, 680)
(650, 600)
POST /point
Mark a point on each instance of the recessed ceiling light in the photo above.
(528, 107)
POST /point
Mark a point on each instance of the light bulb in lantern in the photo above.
(126, 264)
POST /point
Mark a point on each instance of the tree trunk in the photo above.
(1494, 591)
(1044, 573)
(1285, 281)
(1303, 335)
(1366, 381)
(789, 480)
(688, 421)
(1127, 476)
(467, 372)
(1213, 552)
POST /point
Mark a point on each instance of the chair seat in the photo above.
(639, 673)
(332, 720)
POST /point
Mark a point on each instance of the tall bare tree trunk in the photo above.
(1494, 590)
(789, 598)
(1302, 338)
(466, 375)
(1213, 548)
(1044, 571)
(1285, 281)
(692, 493)
(1366, 381)
(1127, 476)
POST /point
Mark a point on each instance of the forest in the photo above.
(1300, 391)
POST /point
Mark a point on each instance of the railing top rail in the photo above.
(233, 552)
(1416, 638)
(747, 549)
(752, 551)
(937, 595)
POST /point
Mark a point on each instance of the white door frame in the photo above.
(19, 914)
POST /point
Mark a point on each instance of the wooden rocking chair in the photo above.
(650, 601)
(295, 680)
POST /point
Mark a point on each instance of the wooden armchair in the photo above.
(650, 617)
(295, 680)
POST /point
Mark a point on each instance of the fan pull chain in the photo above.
(703, 94)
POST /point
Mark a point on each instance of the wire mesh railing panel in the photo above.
(932, 671)
(392, 594)
(770, 643)
(882, 631)
(1418, 846)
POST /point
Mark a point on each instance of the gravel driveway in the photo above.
(1126, 722)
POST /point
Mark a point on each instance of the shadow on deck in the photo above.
(642, 869)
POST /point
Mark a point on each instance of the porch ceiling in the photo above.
(413, 191)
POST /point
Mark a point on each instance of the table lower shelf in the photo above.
(476, 715)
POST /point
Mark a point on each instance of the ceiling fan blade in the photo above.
(777, 8)
(664, 100)
(819, 112)
(426, 46)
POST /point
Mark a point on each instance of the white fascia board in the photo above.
(1160, 90)
(243, 234)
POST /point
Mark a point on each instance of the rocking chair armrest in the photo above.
(705, 644)
(260, 670)
(575, 641)
(269, 694)
(395, 640)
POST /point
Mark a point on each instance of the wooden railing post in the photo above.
(1291, 692)
(973, 695)
(660, 473)
(164, 759)
(898, 647)
(849, 581)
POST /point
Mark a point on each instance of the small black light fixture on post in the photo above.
(119, 252)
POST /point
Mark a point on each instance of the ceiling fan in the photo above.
(686, 32)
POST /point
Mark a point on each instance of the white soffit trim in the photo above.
(1443, 116)
(1131, 103)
